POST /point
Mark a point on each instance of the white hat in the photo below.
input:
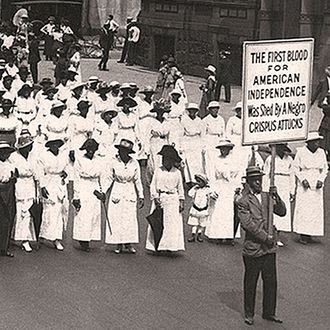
(176, 91)
(93, 78)
(24, 16)
(225, 142)
(72, 69)
(125, 86)
(213, 104)
(192, 106)
(58, 104)
(314, 136)
(114, 83)
(211, 68)
(6, 145)
(239, 105)
(78, 85)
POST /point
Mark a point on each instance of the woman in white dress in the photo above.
(193, 143)
(285, 183)
(225, 177)
(88, 169)
(53, 167)
(25, 190)
(166, 191)
(124, 179)
(310, 168)
(101, 101)
(74, 60)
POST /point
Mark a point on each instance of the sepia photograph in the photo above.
(164, 164)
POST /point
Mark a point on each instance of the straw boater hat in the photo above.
(89, 143)
(58, 104)
(314, 136)
(213, 104)
(225, 143)
(127, 101)
(126, 145)
(253, 171)
(147, 90)
(192, 106)
(112, 113)
(103, 87)
(211, 69)
(238, 105)
(4, 145)
(93, 79)
(170, 152)
(58, 141)
(202, 177)
(24, 140)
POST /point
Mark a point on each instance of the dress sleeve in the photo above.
(324, 169)
(180, 186)
(297, 167)
(137, 180)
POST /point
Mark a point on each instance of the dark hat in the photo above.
(127, 101)
(202, 177)
(7, 102)
(24, 140)
(24, 87)
(284, 146)
(161, 105)
(46, 81)
(89, 143)
(55, 141)
(170, 152)
(83, 103)
(112, 113)
(8, 77)
(126, 144)
(51, 89)
(253, 171)
(103, 87)
(133, 85)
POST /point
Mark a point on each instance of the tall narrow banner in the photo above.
(277, 78)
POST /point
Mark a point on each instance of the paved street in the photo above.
(198, 289)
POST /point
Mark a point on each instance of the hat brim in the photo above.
(106, 89)
(10, 148)
(131, 103)
(147, 92)
(24, 145)
(59, 141)
(113, 113)
(229, 145)
(129, 150)
(315, 139)
(253, 175)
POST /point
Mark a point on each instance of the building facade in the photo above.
(196, 31)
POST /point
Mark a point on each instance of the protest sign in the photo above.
(277, 77)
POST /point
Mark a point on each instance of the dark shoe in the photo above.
(84, 246)
(272, 319)
(131, 250)
(119, 249)
(302, 241)
(199, 238)
(248, 320)
(192, 238)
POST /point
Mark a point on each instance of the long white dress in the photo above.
(225, 176)
(25, 110)
(87, 178)
(55, 206)
(168, 186)
(193, 147)
(309, 213)
(122, 209)
(285, 183)
(105, 135)
(25, 192)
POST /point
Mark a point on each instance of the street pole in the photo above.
(272, 183)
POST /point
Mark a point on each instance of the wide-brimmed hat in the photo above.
(127, 145)
(127, 101)
(211, 69)
(89, 143)
(112, 113)
(79, 85)
(314, 136)
(8, 77)
(239, 105)
(225, 143)
(170, 152)
(192, 106)
(60, 142)
(213, 104)
(253, 171)
(83, 103)
(93, 79)
(284, 146)
(4, 145)
(46, 81)
(125, 86)
(24, 87)
(103, 87)
(161, 105)
(7, 102)
(51, 89)
(114, 83)
(147, 90)
(176, 91)
(24, 140)
(58, 104)
(133, 85)
(202, 177)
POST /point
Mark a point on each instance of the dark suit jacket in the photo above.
(321, 91)
(224, 71)
(254, 220)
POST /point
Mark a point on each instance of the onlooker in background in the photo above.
(105, 44)
(133, 39)
(48, 30)
(125, 48)
(34, 56)
(208, 90)
(113, 27)
(224, 76)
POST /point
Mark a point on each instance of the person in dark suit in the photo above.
(259, 251)
(125, 48)
(105, 42)
(34, 56)
(322, 87)
(224, 76)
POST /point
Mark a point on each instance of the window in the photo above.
(223, 12)
(203, 10)
(233, 13)
(167, 7)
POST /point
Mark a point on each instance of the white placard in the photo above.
(277, 77)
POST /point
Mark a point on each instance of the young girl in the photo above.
(199, 211)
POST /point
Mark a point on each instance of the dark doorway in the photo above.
(236, 58)
(164, 45)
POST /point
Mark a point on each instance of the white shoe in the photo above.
(26, 247)
(279, 243)
(58, 245)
